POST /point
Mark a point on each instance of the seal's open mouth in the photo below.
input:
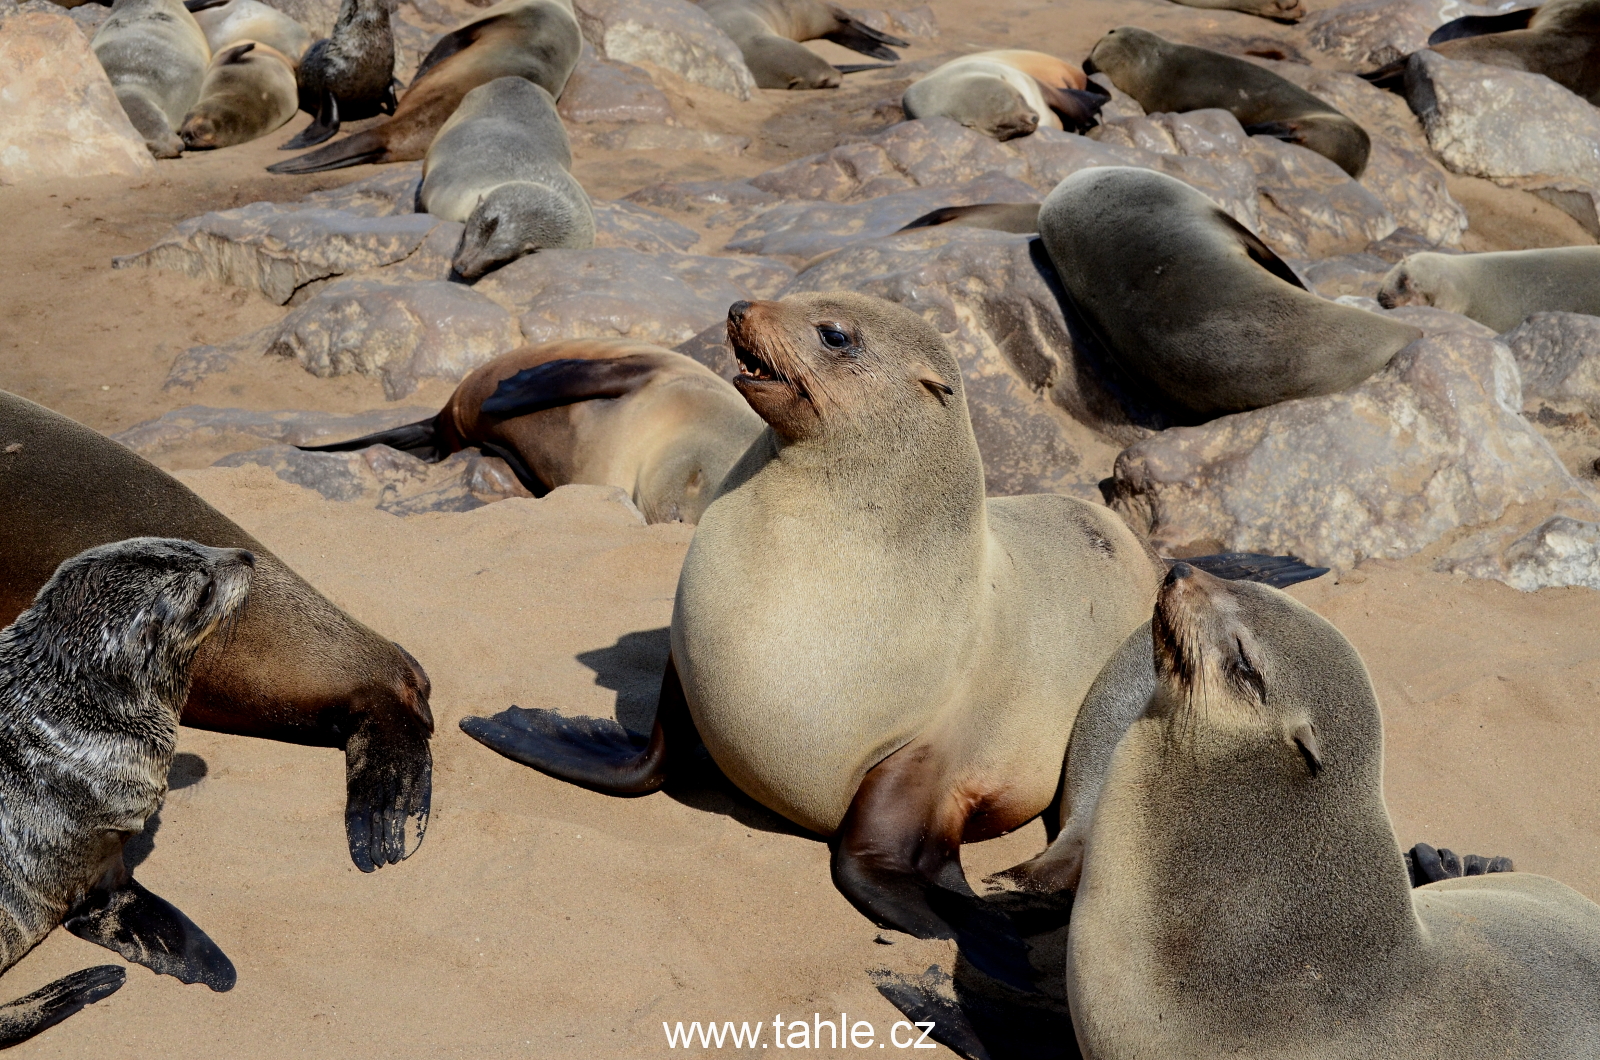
(754, 369)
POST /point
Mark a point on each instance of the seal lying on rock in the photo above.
(92, 677)
(500, 165)
(1005, 94)
(611, 412)
(293, 666)
(1498, 289)
(768, 33)
(349, 73)
(248, 92)
(155, 55)
(1164, 76)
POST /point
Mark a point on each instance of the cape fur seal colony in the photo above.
(1498, 289)
(1164, 76)
(768, 33)
(610, 412)
(349, 73)
(1005, 94)
(1191, 301)
(535, 39)
(155, 55)
(92, 677)
(293, 667)
(248, 92)
(1243, 893)
(500, 165)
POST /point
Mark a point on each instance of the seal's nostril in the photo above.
(737, 311)
(247, 557)
(1179, 572)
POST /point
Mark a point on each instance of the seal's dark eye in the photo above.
(833, 338)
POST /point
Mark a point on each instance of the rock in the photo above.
(1579, 200)
(662, 298)
(201, 427)
(1310, 207)
(919, 23)
(1559, 551)
(1489, 121)
(907, 155)
(672, 34)
(1414, 191)
(318, 16)
(637, 137)
(1433, 443)
(711, 203)
(1371, 33)
(1121, 105)
(58, 114)
(391, 480)
(1559, 357)
(625, 224)
(275, 250)
(400, 332)
(392, 190)
(607, 90)
(1348, 274)
(197, 362)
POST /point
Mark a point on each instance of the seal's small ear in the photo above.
(1305, 736)
(938, 387)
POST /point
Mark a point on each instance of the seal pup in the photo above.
(1194, 303)
(1164, 76)
(500, 164)
(608, 412)
(865, 644)
(349, 73)
(293, 667)
(1242, 890)
(535, 39)
(155, 55)
(1005, 94)
(768, 33)
(1277, 10)
(229, 22)
(92, 677)
(1498, 289)
(249, 91)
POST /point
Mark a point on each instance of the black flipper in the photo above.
(420, 439)
(1481, 25)
(1428, 865)
(388, 789)
(567, 381)
(322, 128)
(525, 474)
(1390, 77)
(357, 150)
(930, 998)
(860, 37)
(1280, 572)
(54, 1002)
(856, 68)
(455, 41)
(1260, 253)
(193, 6)
(1021, 217)
(150, 931)
(1078, 109)
(233, 54)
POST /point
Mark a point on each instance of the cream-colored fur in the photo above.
(155, 54)
(1499, 289)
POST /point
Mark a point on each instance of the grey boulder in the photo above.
(672, 34)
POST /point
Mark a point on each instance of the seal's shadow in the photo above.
(186, 770)
(632, 668)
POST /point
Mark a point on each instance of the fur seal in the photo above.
(349, 73)
(1277, 10)
(1242, 890)
(1164, 76)
(229, 22)
(611, 412)
(1188, 299)
(293, 667)
(768, 33)
(156, 56)
(535, 39)
(500, 165)
(92, 677)
(249, 91)
(912, 689)
(1005, 94)
(1498, 289)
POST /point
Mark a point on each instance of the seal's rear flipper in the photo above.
(1078, 109)
(1020, 217)
(1390, 77)
(856, 68)
(202, 5)
(388, 788)
(1280, 572)
(150, 931)
(568, 381)
(1481, 25)
(1427, 865)
(929, 1002)
(358, 150)
(420, 439)
(54, 1002)
(860, 37)
(322, 128)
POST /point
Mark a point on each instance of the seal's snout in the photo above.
(738, 311)
(1179, 572)
(246, 557)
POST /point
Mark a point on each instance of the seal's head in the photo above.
(993, 107)
(512, 220)
(199, 132)
(827, 367)
(1124, 54)
(1423, 279)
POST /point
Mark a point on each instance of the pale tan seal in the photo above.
(1498, 289)
(1005, 94)
(229, 22)
(1243, 894)
(768, 33)
(156, 55)
(248, 92)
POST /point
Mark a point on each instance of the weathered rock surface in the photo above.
(58, 114)
(1347, 274)
(399, 332)
(391, 190)
(203, 427)
(1433, 443)
(318, 16)
(393, 481)
(625, 224)
(1563, 549)
(1308, 205)
(608, 90)
(709, 203)
(919, 22)
(640, 137)
(672, 34)
(1559, 357)
(1371, 33)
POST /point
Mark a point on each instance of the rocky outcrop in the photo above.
(388, 479)
(672, 34)
(608, 90)
(1559, 357)
(1370, 33)
(200, 427)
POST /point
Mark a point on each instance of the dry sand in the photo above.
(542, 920)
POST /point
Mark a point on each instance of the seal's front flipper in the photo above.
(54, 1002)
(860, 37)
(150, 931)
(1481, 25)
(1428, 865)
(1390, 77)
(388, 788)
(1280, 572)
(1021, 217)
(929, 1002)
(568, 381)
(1258, 251)
(200, 5)
(322, 128)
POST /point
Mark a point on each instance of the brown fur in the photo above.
(1562, 42)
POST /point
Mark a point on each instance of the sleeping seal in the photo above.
(1498, 289)
(1164, 76)
(1005, 94)
(1243, 894)
(768, 33)
(608, 412)
(293, 667)
(535, 39)
(1191, 301)
(349, 73)
(249, 91)
(155, 55)
(500, 165)
(92, 677)
(229, 22)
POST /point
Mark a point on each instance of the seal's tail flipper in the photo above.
(322, 128)
(929, 1002)
(1078, 109)
(860, 37)
(856, 68)
(1391, 77)
(54, 1002)
(1427, 865)
(1280, 572)
(355, 150)
(420, 439)
(388, 788)
(1021, 217)
(150, 931)
(567, 381)
(1481, 25)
